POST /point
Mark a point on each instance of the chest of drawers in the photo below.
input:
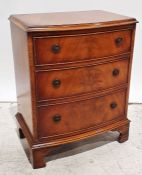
(72, 77)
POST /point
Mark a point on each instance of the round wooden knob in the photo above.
(118, 41)
(115, 72)
(56, 83)
(113, 105)
(57, 118)
(56, 48)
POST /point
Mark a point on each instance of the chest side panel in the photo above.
(22, 74)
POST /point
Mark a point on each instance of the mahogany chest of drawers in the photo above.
(72, 77)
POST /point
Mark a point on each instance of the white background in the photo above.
(8, 7)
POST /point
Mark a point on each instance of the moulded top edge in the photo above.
(69, 20)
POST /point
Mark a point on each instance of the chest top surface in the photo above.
(67, 20)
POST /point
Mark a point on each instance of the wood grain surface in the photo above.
(81, 80)
(81, 47)
(72, 74)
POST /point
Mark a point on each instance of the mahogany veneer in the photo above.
(72, 77)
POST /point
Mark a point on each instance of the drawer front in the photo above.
(51, 50)
(75, 116)
(69, 82)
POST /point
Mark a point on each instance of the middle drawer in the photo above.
(74, 81)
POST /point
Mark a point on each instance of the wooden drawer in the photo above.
(68, 82)
(62, 49)
(71, 117)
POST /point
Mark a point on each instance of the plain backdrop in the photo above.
(8, 7)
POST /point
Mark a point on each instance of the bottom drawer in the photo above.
(69, 117)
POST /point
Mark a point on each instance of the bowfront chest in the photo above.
(72, 77)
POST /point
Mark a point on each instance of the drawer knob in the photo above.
(56, 118)
(56, 83)
(113, 105)
(56, 48)
(115, 72)
(119, 41)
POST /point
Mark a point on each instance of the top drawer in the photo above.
(61, 49)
